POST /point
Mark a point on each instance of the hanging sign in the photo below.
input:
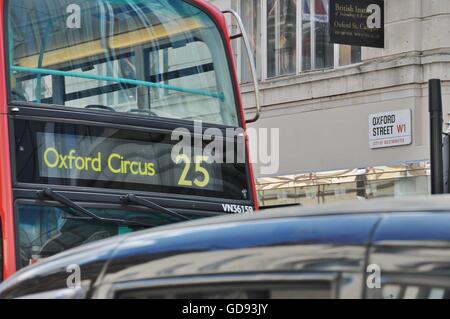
(357, 22)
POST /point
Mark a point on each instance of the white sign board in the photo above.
(390, 129)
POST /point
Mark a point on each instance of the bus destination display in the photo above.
(125, 161)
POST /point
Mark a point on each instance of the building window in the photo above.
(251, 17)
(349, 54)
(324, 49)
(281, 37)
(306, 36)
(290, 37)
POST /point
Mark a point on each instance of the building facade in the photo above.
(321, 96)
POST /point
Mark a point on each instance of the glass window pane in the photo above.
(281, 37)
(356, 54)
(324, 48)
(251, 17)
(349, 54)
(306, 35)
(154, 57)
(46, 230)
(345, 54)
(261, 290)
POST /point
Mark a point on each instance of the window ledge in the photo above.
(304, 77)
(369, 66)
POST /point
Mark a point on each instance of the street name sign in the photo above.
(390, 129)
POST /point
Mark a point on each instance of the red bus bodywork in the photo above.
(6, 192)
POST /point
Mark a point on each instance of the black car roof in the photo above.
(146, 254)
(435, 203)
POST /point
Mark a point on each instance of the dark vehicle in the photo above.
(374, 249)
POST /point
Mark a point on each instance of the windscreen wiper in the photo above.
(134, 199)
(49, 193)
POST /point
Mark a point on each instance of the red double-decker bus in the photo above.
(90, 97)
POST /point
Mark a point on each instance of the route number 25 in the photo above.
(184, 181)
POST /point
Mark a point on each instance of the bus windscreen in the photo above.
(155, 58)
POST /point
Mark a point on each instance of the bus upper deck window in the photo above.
(147, 58)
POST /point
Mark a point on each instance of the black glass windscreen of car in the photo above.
(261, 290)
